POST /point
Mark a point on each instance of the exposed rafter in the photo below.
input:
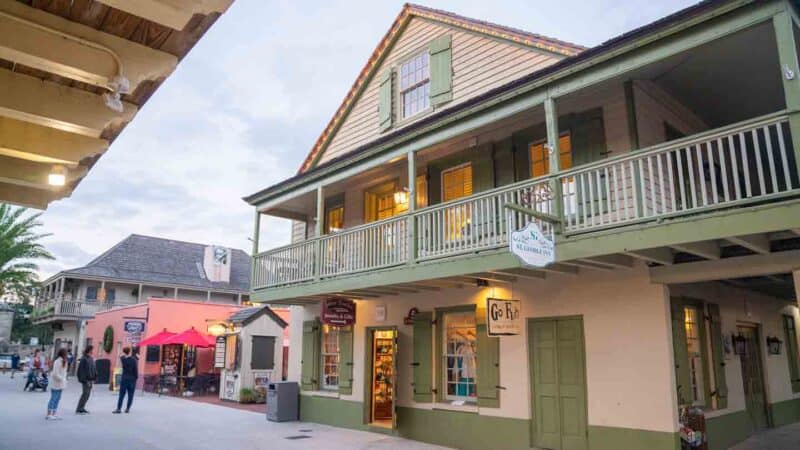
(758, 243)
(32, 174)
(616, 261)
(582, 263)
(705, 249)
(661, 255)
(734, 267)
(171, 13)
(31, 142)
(521, 273)
(27, 196)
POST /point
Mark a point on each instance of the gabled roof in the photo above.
(248, 315)
(148, 259)
(409, 11)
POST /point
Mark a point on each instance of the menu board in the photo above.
(219, 353)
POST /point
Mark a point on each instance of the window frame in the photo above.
(546, 162)
(380, 189)
(440, 342)
(706, 358)
(323, 384)
(94, 297)
(399, 90)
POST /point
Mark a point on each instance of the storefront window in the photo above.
(460, 349)
(694, 347)
(330, 357)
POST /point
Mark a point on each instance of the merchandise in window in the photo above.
(330, 357)
(694, 347)
(415, 85)
(460, 350)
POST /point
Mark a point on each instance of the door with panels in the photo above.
(558, 383)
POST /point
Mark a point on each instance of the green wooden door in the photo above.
(558, 384)
(753, 379)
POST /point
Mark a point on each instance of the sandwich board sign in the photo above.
(531, 246)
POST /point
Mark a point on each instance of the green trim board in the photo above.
(726, 19)
(726, 430)
(613, 438)
(785, 412)
(332, 411)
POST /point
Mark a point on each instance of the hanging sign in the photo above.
(134, 329)
(339, 312)
(409, 319)
(219, 352)
(503, 317)
(531, 246)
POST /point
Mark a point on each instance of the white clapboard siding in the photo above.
(480, 63)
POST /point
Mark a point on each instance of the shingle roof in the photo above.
(149, 259)
(247, 315)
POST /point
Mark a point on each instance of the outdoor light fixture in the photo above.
(57, 176)
(401, 197)
(113, 101)
(774, 345)
(217, 329)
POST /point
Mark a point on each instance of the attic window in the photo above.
(415, 81)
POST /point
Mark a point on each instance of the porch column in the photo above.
(787, 55)
(175, 293)
(412, 206)
(139, 294)
(208, 296)
(551, 120)
(320, 226)
(61, 288)
(103, 290)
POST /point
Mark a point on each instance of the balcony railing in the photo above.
(69, 308)
(752, 161)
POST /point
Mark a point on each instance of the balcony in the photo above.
(732, 167)
(67, 310)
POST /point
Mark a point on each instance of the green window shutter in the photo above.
(503, 162)
(790, 327)
(588, 140)
(441, 69)
(683, 385)
(309, 376)
(346, 360)
(718, 356)
(488, 373)
(482, 169)
(423, 337)
(385, 101)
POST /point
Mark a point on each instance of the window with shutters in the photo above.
(379, 202)
(414, 85)
(334, 219)
(540, 156)
(694, 346)
(457, 183)
(460, 354)
(330, 357)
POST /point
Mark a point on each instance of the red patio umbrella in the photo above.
(190, 337)
(156, 339)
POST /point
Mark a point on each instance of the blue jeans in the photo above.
(126, 386)
(55, 397)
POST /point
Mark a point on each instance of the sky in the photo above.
(245, 106)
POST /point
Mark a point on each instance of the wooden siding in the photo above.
(479, 64)
(298, 231)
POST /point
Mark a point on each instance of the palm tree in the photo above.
(19, 247)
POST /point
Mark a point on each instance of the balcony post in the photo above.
(551, 120)
(139, 294)
(256, 235)
(320, 228)
(790, 74)
(412, 207)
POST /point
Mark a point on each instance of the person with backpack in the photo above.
(127, 385)
(59, 377)
(87, 374)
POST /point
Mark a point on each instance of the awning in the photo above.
(156, 339)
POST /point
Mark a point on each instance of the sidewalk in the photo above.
(783, 438)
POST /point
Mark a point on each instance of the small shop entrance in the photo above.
(753, 376)
(381, 370)
(558, 378)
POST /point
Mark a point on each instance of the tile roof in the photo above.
(148, 259)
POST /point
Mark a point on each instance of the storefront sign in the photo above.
(219, 352)
(134, 329)
(339, 312)
(503, 317)
(531, 246)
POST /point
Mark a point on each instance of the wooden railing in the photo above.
(69, 308)
(752, 161)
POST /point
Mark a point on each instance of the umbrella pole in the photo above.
(180, 374)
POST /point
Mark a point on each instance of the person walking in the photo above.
(130, 373)
(14, 363)
(59, 380)
(87, 374)
(35, 363)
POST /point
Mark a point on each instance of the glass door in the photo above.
(382, 395)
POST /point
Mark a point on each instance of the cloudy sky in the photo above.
(244, 107)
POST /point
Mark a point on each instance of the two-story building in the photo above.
(662, 163)
(134, 270)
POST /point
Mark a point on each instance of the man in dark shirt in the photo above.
(87, 374)
(127, 384)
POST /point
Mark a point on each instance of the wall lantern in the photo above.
(217, 329)
(401, 197)
(774, 345)
(739, 344)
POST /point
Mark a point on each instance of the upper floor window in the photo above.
(91, 293)
(540, 156)
(334, 219)
(379, 202)
(415, 80)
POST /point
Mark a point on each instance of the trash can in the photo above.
(283, 399)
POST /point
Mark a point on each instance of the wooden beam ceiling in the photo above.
(758, 243)
(32, 142)
(33, 174)
(171, 13)
(704, 249)
(661, 255)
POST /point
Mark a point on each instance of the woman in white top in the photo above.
(58, 381)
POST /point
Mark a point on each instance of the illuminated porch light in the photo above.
(57, 176)
(401, 197)
(217, 329)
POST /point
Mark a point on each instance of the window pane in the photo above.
(694, 347)
(460, 352)
(330, 357)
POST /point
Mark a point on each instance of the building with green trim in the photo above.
(663, 166)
